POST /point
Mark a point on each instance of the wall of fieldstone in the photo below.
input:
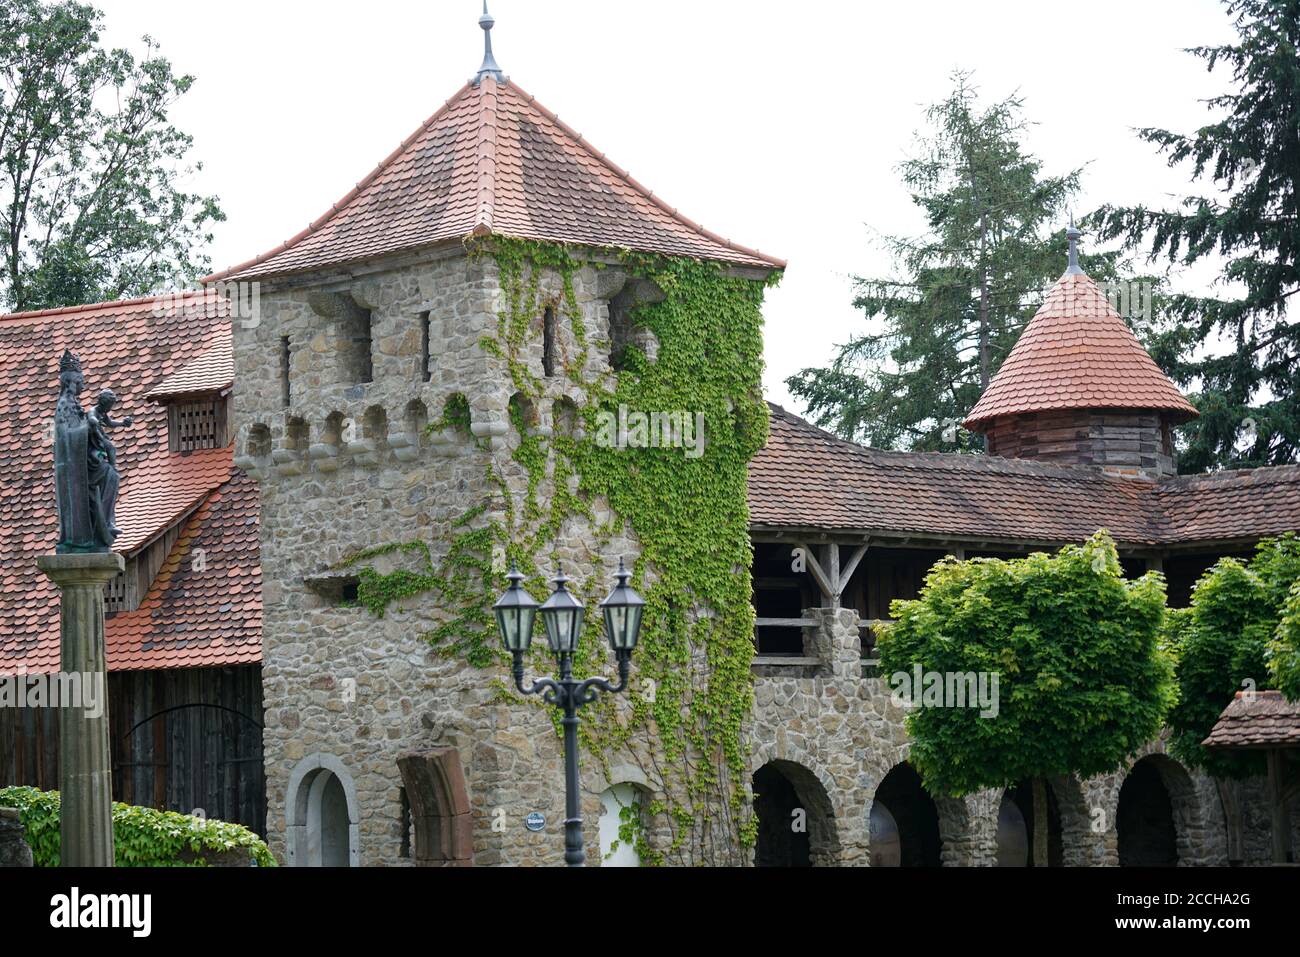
(346, 466)
(847, 735)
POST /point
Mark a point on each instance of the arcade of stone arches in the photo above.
(1157, 817)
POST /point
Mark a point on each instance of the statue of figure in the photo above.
(86, 479)
(102, 466)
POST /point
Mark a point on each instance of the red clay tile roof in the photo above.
(1229, 505)
(130, 346)
(214, 371)
(1263, 719)
(806, 478)
(163, 488)
(1077, 353)
(205, 606)
(493, 160)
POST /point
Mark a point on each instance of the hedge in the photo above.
(142, 837)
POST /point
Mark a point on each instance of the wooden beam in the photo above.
(1277, 801)
(852, 566)
(815, 569)
(836, 582)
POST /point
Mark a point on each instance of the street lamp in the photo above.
(562, 616)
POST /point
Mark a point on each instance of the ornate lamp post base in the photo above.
(85, 766)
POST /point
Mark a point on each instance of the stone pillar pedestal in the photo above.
(85, 766)
(836, 640)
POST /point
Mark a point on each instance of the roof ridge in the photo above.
(109, 304)
(485, 156)
(648, 194)
(992, 463)
(347, 198)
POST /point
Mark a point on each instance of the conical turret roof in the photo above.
(1078, 353)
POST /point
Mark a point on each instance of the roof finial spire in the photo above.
(489, 61)
(1073, 234)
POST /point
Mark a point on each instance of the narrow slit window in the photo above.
(548, 341)
(363, 346)
(284, 371)
(426, 372)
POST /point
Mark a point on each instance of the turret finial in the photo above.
(1073, 234)
(489, 66)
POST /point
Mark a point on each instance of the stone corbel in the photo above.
(364, 452)
(493, 432)
(324, 457)
(405, 445)
(252, 467)
(287, 462)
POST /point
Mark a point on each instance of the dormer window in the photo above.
(197, 399)
(199, 423)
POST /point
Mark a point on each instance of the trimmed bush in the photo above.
(142, 837)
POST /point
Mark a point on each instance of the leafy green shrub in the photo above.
(1226, 638)
(142, 837)
(1284, 652)
(1083, 681)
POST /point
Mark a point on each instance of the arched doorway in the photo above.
(1021, 799)
(904, 822)
(1013, 835)
(1144, 819)
(620, 806)
(796, 825)
(321, 814)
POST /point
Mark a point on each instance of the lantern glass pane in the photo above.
(616, 625)
(563, 626)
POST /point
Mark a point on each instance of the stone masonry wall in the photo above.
(347, 466)
(339, 682)
(846, 734)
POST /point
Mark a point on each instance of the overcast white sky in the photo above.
(777, 124)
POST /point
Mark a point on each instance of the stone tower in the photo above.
(1079, 389)
(384, 390)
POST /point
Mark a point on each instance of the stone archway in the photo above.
(905, 822)
(1158, 817)
(322, 815)
(796, 822)
(440, 811)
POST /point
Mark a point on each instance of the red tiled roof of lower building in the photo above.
(205, 606)
(1259, 719)
(807, 478)
(213, 371)
(129, 346)
(1077, 353)
(493, 160)
(1229, 505)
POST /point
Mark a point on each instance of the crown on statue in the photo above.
(69, 363)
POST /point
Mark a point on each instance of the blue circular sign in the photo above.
(535, 821)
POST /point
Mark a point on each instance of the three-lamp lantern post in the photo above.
(562, 616)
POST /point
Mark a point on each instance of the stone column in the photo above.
(85, 767)
(837, 641)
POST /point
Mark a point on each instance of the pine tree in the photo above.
(966, 288)
(1250, 409)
